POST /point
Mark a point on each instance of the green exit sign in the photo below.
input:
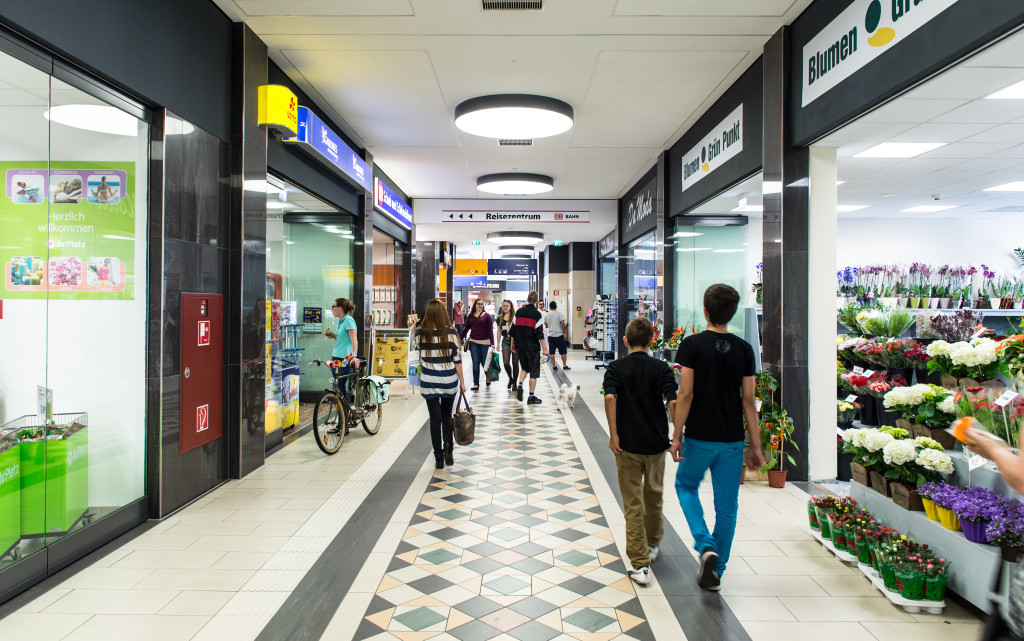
(476, 242)
(558, 243)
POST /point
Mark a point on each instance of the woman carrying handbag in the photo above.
(478, 334)
(506, 319)
(441, 376)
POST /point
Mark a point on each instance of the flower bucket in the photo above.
(934, 303)
(823, 521)
(935, 588)
(902, 302)
(860, 474)
(975, 531)
(888, 576)
(880, 484)
(914, 303)
(864, 554)
(851, 540)
(995, 302)
(948, 519)
(843, 463)
(907, 497)
(943, 303)
(874, 556)
(930, 509)
(777, 478)
(910, 585)
(812, 516)
(868, 410)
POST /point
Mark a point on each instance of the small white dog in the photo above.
(567, 395)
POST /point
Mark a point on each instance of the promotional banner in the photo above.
(68, 230)
(723, 143)
(864, 31)
(391, 353)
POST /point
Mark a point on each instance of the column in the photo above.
(362, 273)
(821, 287)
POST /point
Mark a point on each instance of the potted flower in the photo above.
(977, 361)
(845, 411)
(776, 430)
(976, 507)
(757, 286)
(1006, 530)
(944, 496)
(911, 463)
(852, 445)
(823, 506)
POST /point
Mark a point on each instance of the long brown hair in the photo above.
(511, 312)
(472, 308)
(435, 329)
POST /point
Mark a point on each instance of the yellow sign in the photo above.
(390, 353)
(278, 109)
(471, 267)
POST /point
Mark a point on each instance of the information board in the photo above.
(390, 353)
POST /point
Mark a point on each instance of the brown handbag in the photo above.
(465, 422)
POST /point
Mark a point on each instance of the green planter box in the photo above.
(10, 495)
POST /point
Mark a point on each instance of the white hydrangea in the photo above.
(946, 405)
(938, 348)
(899, 452)
(906, 396)
(858, 437)
(981, 351)
(928, 443)
(875, 440)
(850, 435)
(935, 461)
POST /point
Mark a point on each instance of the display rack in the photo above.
(605, 329)
(384, 306)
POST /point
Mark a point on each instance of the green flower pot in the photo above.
(851, 540)
(838, 534)
(864, 554)
(823, 520)
(935, 588)
(812, 517)
(888, 576)
(910, 585)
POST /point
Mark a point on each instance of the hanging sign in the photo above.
(317, 139)
(512, 216)
(278, 109)
(391, 353)
(387, 202)
(512, 267)
(863, 32)
(723, 143)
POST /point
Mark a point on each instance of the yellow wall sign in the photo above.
(390, 353)
(471, 267)
(279, 109)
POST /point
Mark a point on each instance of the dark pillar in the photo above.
(426, 269)
(246, 310)
(660, 201)
(785, 223)
(362, 273)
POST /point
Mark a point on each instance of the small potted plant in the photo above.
(844, 412)
(976, 507)
(911, 463)
(823, 506)
(776, 430)
(1006, 530)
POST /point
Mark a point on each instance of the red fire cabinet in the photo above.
(202, 369)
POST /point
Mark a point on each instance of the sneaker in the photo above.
(707, 578)
(566, 368)
(533, 400)
(654, 551)
(519, 393)
(642, 576)
(474, 388)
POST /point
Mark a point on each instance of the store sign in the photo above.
(72, 227)
(512, 216)
(317, 139)
(512, 267)
(469, 281)
(278, 109)
(723, 143)
(388, 202)
(607, 245)
(866, 30)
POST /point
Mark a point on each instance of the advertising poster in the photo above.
(391, 353)
(69, 230)
(312, 320)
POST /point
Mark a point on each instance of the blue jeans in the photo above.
(344, 384)
(725, 460)
(478, 353)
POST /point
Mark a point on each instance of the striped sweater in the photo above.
(438, 376)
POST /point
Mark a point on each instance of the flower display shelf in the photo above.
(842, 555)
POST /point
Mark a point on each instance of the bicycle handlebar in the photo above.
(337, 362)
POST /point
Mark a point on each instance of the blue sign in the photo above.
(512, 267)
(388, 202)
(315, 136)
(469, 281)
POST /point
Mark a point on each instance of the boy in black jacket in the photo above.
(528, 342)
(635, 390)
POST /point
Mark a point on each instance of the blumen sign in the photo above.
(315, 136)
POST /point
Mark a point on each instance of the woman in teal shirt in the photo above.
(345, 341)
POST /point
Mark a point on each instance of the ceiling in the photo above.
(638, 73)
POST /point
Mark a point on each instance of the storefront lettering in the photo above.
(332, 146)
(715, 149)
(77, 453)
(640, 208)
(824, 61)
(13, 472)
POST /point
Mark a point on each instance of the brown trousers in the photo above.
(641, 477)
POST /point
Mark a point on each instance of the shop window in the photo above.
(73, 245)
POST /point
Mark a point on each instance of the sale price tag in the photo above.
(858, 370)
(975, 461)
(1006, 398)
(869, 373)
(852, 398)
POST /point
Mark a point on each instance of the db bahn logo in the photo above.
(203, 418)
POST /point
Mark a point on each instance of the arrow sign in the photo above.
(471, 216)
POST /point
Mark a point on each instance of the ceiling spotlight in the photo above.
(515, 184)
(513, 116)
(516, 237)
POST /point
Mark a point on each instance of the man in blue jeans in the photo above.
(716, 396)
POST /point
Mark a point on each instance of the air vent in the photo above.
(515, 142)
(1012, 209)
(513, 5)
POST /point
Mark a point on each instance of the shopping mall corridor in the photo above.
(523, 539)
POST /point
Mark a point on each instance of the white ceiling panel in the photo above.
(912, 110)
(1008, 53)
(968, 83)
(690, 8)
(995, 112)
(939, 132)
(365, 69)
(971, 150)
(1002, 133)
(326, 7)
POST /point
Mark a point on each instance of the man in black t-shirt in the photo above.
(635, 390)
(716, 396)
(527, 342)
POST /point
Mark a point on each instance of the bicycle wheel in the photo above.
(372, 418)
(329, 423)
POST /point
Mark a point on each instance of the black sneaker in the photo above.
(533, 400)
(566, 368)
(519, 393)
(707, 577)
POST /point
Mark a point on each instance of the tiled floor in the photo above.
(521, 539)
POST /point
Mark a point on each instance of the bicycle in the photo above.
(334, 415)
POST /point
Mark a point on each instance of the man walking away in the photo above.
(555, 322)
(635, 390)
(528, 342)
(716, 395)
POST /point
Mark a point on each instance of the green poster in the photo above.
(68, 230)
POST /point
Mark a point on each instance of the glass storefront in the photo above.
(310, 253)
(704, 256)
(388, 280)
(73, 245)
(642, 278)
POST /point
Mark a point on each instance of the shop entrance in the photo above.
(389, 306)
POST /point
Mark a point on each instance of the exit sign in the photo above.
(558, 243)
(476, 242)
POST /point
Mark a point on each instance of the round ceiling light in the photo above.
(516, 238)
(515, 184)
(518, 250)
(513, 116)
(101, 118)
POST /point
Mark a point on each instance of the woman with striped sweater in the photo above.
(441, 376)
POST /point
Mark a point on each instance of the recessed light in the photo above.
(848, 208)
(1016, 186)
(927, 209)
(515, 237)
(749, 208)
(100, 118)
(687, 234)
(1013, 92)
(693, 249)
(900, 149)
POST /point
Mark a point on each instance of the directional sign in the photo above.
(513, 216)
(512, 267)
